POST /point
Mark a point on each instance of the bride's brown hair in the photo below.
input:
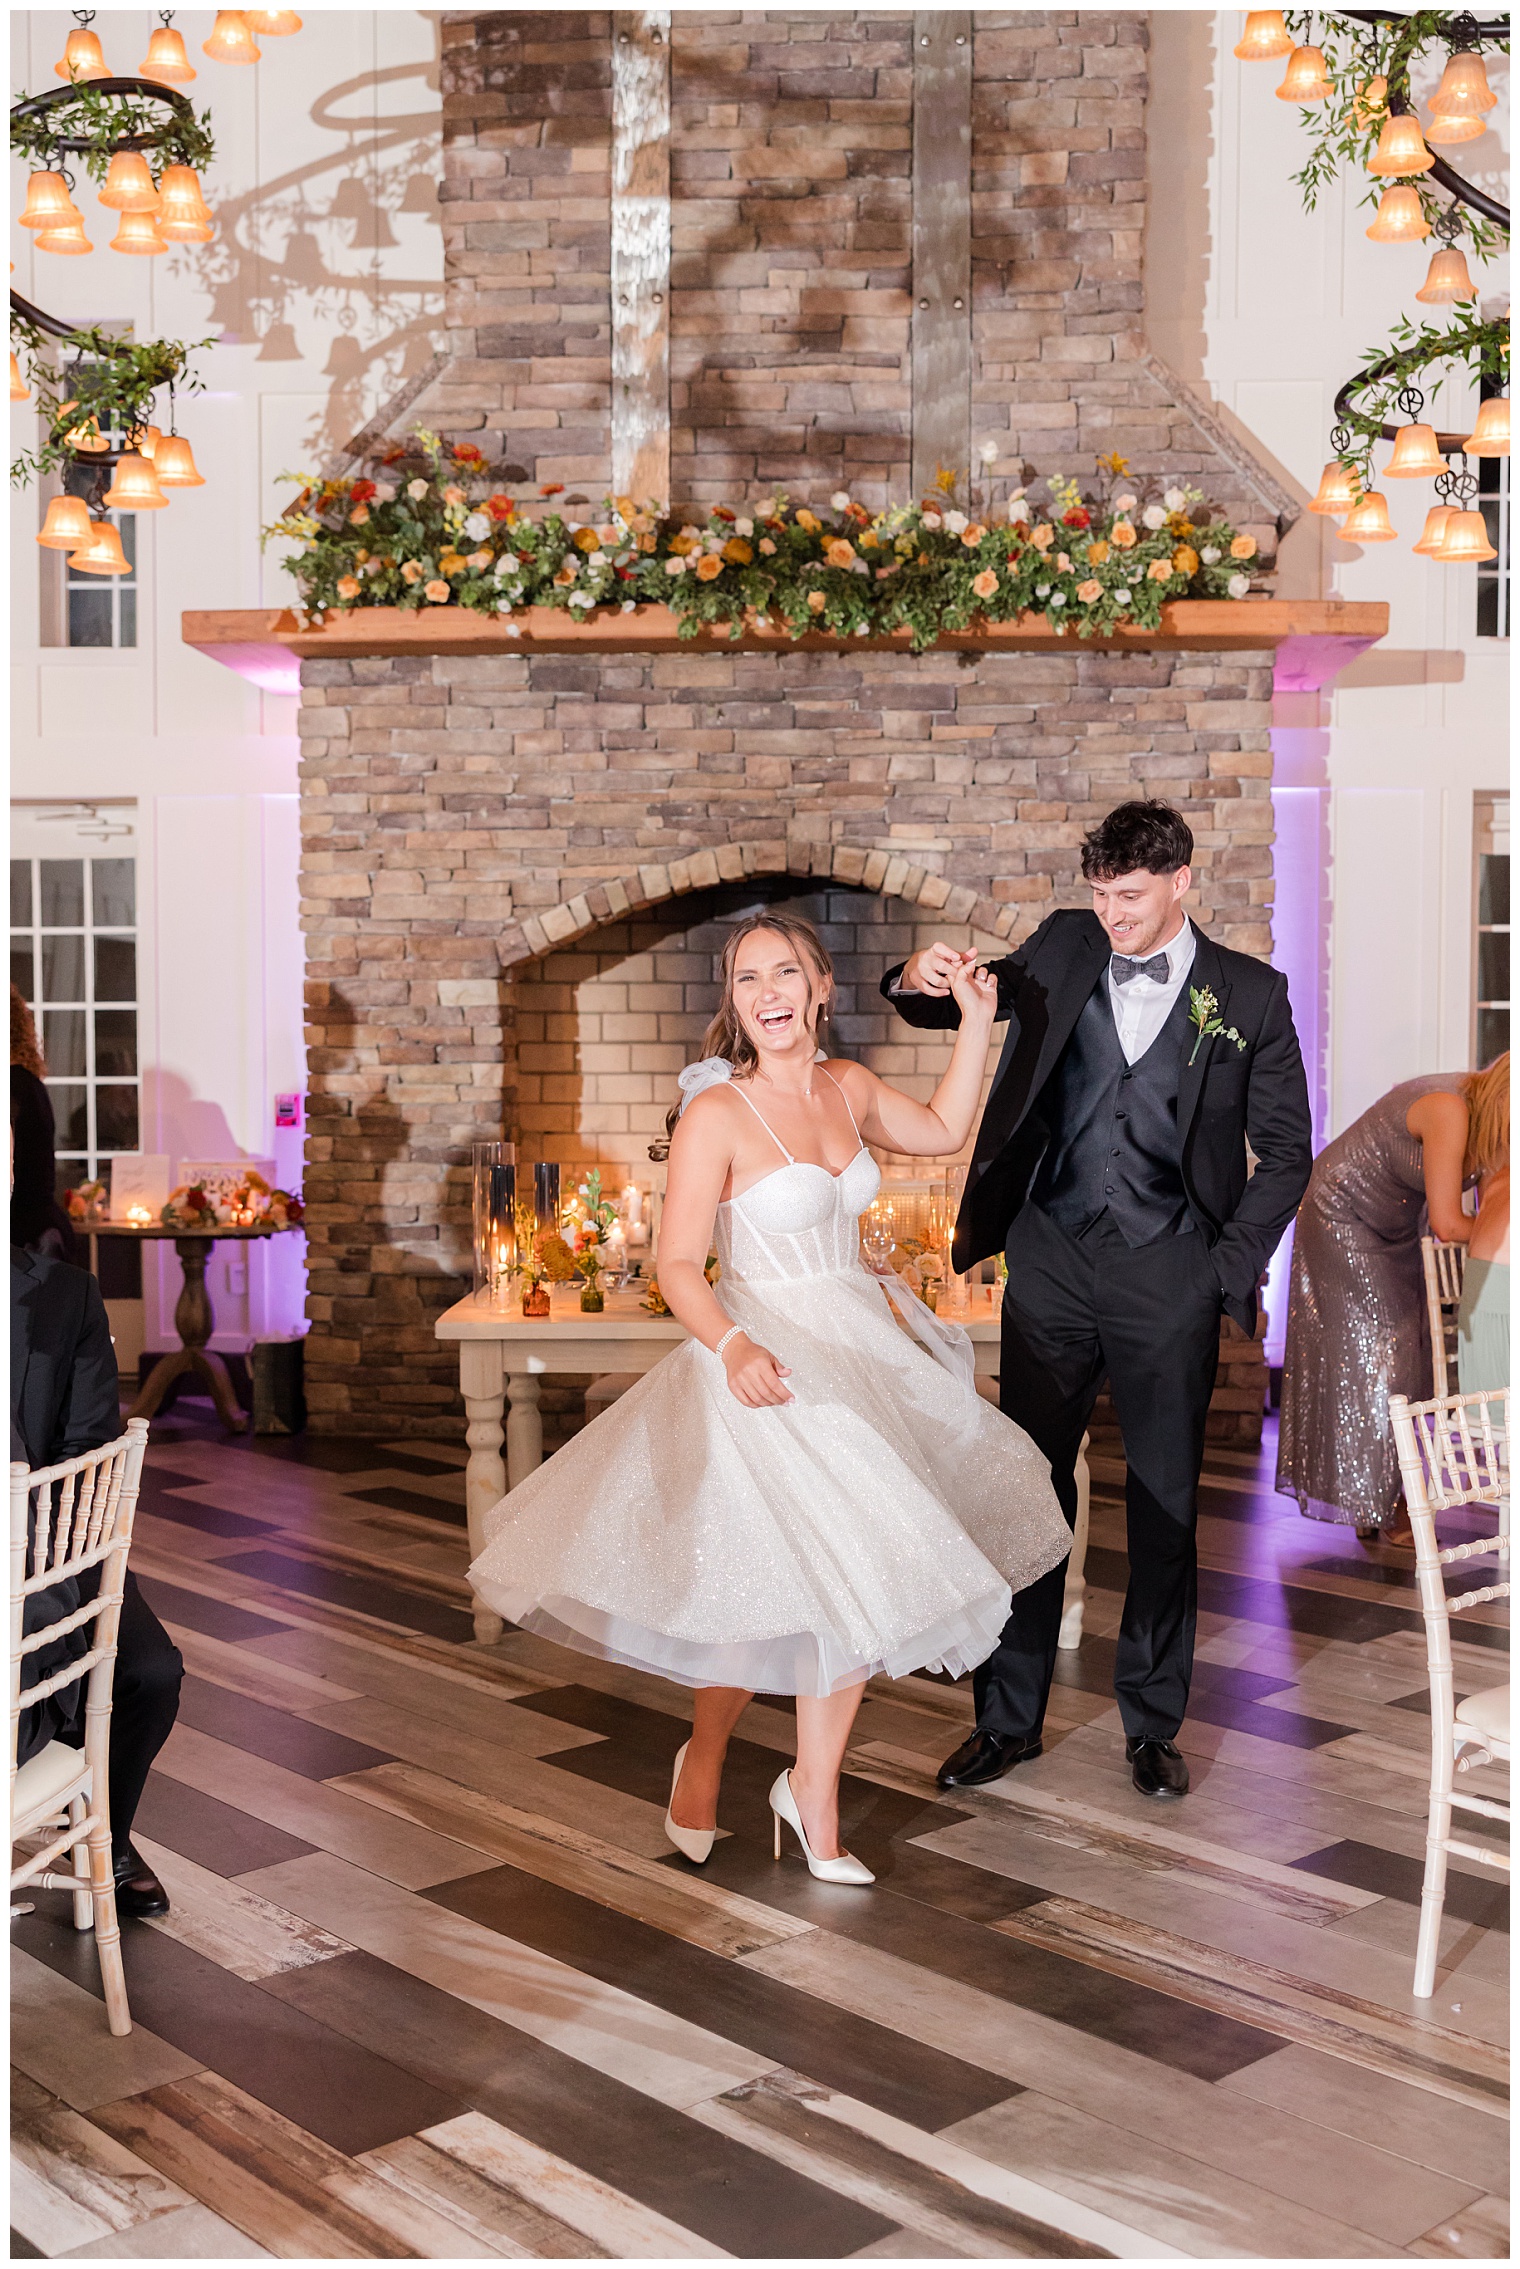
(726, 1036)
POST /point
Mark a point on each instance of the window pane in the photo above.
(116, 1118)
(127, 523)
(71, 1115)
(116, 1043)
(1493, 1034)
(21, 893)
(116, 966)
(1493, 965)
(63, 1042)
(63, 969)
(62, 894)
(21, 971)
(127, 620)
(113, 890)
(89, 617)
(1493, 882)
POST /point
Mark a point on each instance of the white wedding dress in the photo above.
(877, 1522)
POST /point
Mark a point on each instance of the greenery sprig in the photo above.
(92, 374)
(109, 122)
(1482, 348)
(431, 529)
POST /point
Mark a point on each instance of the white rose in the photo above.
(1122, 597)
(694, 534)
(955, 522)
(582, 599)
(859, 567)
(840, 499)
(416, 488)
(384, 493)
(1042, 590)
(508, 563)
(1125, 503)
(1154, 516)
(629, 605)
(1058, 599)
(503, 606)
(744, 527)
(1238, 586)
(675, 565)
(596, 559)
(1018, 512)
(1210, 555)
(931, 520)
(990, 451)
(1174, 498)
(477, 527)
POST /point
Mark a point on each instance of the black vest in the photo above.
(1113, 1144)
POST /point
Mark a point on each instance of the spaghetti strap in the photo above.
(845, 1100)
(765, 1122)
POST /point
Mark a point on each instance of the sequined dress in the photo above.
(1357, 1328)
(877, 1522)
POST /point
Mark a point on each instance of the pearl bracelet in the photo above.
(735, 1331)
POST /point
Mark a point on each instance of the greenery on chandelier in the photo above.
(1482, 348)
(431, 530)
(107, 123)
(106, 386)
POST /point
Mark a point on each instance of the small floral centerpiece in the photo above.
(86, 1201)
(654, 1299)
(189, 1208)
(588, 1221)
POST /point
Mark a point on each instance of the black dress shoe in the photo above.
(1160, 1769)
(986, 1757)
(138, 1890)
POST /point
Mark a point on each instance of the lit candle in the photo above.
(633, 1205)
(139, 1215)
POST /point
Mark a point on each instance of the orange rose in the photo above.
(708, 566)
(349, 586)
(565, 575)
(1121, 535)
(683, 544)
(438, 593)
(737, 552)
(453, 496)
(1160, 571)
(1097, 552)
(985, 584)
(806, 519)
(1089, 591)
(478, 560)
(1184, 560)
(449, 563)
(766, 547)
(1243, 547)
(358, 516)
(816, 602)
(586, 539)
(1043, 537)
(973, 535)
(411, 571)
(838, 553)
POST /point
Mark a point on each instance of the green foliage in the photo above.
(432, 531)
(1482, 347)
(112, 380)
(106, 122)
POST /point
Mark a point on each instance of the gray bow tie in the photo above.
(1158, 967)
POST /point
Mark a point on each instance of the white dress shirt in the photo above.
(1142, 1006)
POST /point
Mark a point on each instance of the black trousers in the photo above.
(1147, 1319)
(144, 1705)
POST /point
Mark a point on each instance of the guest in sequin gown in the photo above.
(1357, 1328)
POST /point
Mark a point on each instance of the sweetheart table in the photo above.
(504, 1354)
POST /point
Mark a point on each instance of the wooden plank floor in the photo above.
(433, 1986)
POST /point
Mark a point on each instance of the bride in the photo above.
(798, 1496)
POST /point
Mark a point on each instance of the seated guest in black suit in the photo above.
(64, 1402)
(38, 1221)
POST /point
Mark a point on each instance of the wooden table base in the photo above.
(199, 1363)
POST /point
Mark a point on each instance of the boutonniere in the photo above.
(1203, 1013)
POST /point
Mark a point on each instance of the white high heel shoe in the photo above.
(845, 1869)
(694, 1844)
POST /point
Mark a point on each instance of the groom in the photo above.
(1111, 1165)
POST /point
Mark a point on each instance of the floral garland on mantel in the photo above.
(432, 532)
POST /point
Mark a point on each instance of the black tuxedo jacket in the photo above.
(1228, 1097)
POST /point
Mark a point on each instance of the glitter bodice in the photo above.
(799, 1221)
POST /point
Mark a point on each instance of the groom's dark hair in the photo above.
(1148, 835)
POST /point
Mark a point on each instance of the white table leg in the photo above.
(1075, 1594)
(525, 1427)
(485, 1481)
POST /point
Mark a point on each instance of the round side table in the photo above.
(194, 1316)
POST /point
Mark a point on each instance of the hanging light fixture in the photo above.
(1400, 148)
(1265, 37)
(231, 41)
(1448, 278)
(48, 203)
(1338, 490)
(1305, 79)
(103, 554)
(1445, 131)
(166, 60)
(82, 58)
(1464, 541)
(86, 439)
(1371, 102)
(174, 463)
(272, 23)
(128, 186)
(1400, 216)
(19, 389)
(185, 217)
(1415, 455)
(138, 232)
(65, 236)
(1367, 522)
(1490, 436)
(1464, 91)
(68, 524)
(1433, 531)
(135, 487)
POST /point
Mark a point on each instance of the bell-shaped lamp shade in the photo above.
(1368, 523)
(1337, 491)
(1443, 132)
(272, 23)
(1464, 541)
(48, 203)
(19, 390)
(1490, 436)
(82, 58)
(1400, 216)
(128, 186)
(185, 217)
(103, 554)
(146, 442)
(174, 463)
(231, 41)
(1400, 148)
(166, 60)
(86, 439)
(1464, 91)
(66, 236)
(1415, 455)
(1448, 278)
(1266, 36)
(1305, 79)
(1371, 102)
(135, 488)
(1434, 530)
(68, 524)
(138, 232)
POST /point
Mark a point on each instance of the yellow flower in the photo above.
(817, 602)
(411, 571)
(358, 516)
(1089, 591)
(808, 520)
(449, 563)
(349, 586)
(1115, 464)
(708, 566)
(1097, 552)
(868, 540)
(985, 584)
(1243, 547)
(1184, 560)
(973, 535)
(683, 544)
(1160, 571)
(1043, 537)
(737, 552)
(586, 539)
(1122, 535)
(647, 543)
(437, 592)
